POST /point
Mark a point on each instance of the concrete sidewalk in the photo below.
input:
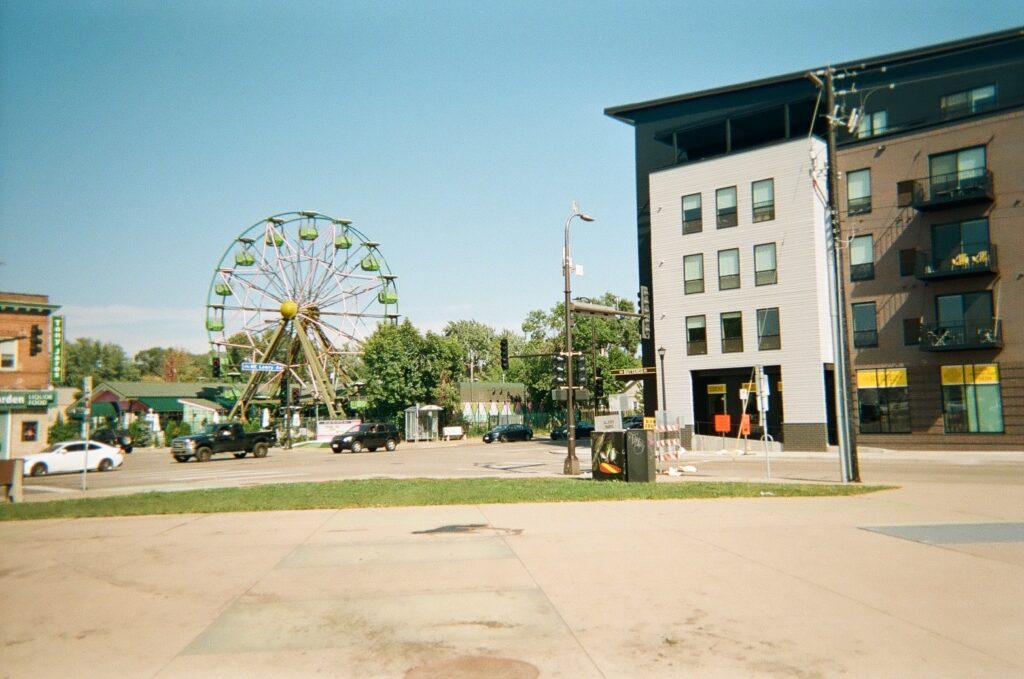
(923, 581)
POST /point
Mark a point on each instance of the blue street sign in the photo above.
(251, 367)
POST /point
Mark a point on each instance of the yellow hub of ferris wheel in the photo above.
(288, 309)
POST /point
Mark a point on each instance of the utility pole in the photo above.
(849, 466)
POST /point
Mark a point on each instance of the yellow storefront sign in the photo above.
(983, 373)
(716, 389)
(881, 378)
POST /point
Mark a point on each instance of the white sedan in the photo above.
(68, 456)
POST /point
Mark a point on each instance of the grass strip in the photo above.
(408, 493)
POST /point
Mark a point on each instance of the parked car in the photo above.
(69, 456)
(114, 437)
(583, 431)
(369, 436)
(509, 432)
(633, 422)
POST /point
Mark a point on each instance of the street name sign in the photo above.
(251, 367)
(633, 372)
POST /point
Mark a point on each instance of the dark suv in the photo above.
(367, 436)
(119, 438)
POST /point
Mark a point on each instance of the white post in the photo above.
(87, 398)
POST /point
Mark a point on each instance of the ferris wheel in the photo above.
(291, 303)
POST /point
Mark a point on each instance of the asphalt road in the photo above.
(155, 469)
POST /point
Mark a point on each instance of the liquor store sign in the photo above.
(18, 400)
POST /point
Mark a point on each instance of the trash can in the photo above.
(608, 455)
(640, 460)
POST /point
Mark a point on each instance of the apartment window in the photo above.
(883, 399)
(974, 100)
(768, 336)
(964, 318)
(765, 269)
(693, 274)
(30, 431)
(732, 332)
(763, 193)
(960, 245)
(957, 172)
(872, 124)
(908, 261)
(8, 354)
(692, 222)
(862, 258)
(911, 331)
(858, 192)
(728, 269)
(865, 325)
(696, 335)
(725, 206)
(971, 399)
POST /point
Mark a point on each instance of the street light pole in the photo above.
(572, 464)
(664, 399)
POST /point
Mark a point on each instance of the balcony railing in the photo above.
(987, 334)
(953, 189)
(970, 260)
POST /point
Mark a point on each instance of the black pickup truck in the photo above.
(226, 437)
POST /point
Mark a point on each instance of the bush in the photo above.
(62, 431)
(175, 429)
(140, 433)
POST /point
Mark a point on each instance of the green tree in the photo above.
(150, 362)
(476, 341)
(104, 361)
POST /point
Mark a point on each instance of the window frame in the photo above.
(725, 282)
(865, 338)
(971, 105)
(954, 182)
(863, 271)
(9, 347)
(773, 274)
(885, 395)
(687, 281)
(868, 127)
(731, 344)
(765, 210)
(968, 393)
(692, 225)
(697, 347)
(768, 342)
(726, 217)
(861, 204)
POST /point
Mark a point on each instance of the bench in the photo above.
(450, 433)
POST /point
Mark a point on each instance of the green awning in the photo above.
(162, 404)
(103, 409)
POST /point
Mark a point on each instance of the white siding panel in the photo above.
(801, 294)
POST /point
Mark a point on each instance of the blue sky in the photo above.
(138, 138)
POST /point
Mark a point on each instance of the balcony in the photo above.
(971, 260)
(959, 336)
(952, 190)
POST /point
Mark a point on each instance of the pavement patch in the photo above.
(955, 533)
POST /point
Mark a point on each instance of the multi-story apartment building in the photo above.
(743, 237)
(930, 211)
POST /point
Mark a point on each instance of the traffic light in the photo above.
(579, 369)
(504, 354)
(216, 366)
(558, 365)
(644, 309)
(599, 384)
(35, 342)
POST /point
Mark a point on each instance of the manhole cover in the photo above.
(475, 667)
